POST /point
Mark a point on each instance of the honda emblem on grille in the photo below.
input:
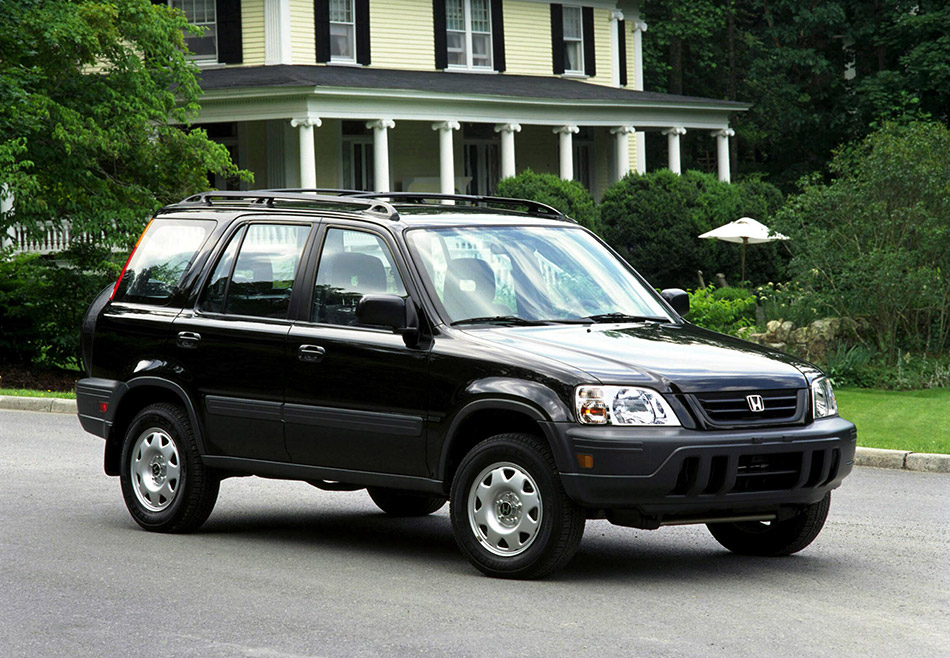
(756, 403)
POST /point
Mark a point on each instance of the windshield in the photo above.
(529, 274)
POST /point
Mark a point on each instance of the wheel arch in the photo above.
(135, 395)
(488, 416)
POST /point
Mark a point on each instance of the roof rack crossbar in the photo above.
(268, 198)
(534, 207)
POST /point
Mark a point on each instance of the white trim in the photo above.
(277, 41)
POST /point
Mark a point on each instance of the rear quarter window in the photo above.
(160, 261)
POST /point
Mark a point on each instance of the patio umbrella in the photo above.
(744, 230)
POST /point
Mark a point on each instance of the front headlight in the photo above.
(823, 400)
(622, 405)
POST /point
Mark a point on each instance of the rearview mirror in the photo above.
(678, 299)
(391, 311)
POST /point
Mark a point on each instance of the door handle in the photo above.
(310, 353)
(188, 339)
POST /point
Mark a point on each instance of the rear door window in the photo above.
(161, 259)
(255, 274)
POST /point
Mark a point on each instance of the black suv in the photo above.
(487, 351)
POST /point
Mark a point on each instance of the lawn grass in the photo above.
(918, 421)
(29, 392)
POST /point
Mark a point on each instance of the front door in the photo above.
(356, 396)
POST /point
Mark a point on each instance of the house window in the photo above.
(357, 156)
(200, 13)
(573, 40)
(342, 31)
(468, 33)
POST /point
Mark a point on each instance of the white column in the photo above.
(639, 27)
(446, 155)
(381, 152)
(622, 149)
(277, 42)
(722, 152)
(615, 17)
(565, 136)
(308, 156)
(6, 206)
(673, 144)
(507, 132)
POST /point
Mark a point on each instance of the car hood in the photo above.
(688, 357)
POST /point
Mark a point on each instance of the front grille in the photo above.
(733, 408)
(777, 471)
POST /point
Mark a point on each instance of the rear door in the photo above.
(231, 345)
(356, 396)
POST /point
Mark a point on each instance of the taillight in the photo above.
(115, 288)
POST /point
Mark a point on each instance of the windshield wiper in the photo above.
(501, 319)
(624, 317)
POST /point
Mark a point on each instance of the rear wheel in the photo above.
(774, 538)
(510, 514)
(397, 502)
(164, 483)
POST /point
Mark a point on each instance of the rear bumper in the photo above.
(91, 394)
(669, 473)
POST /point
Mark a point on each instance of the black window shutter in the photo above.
(321, 29)
(590, 66)
(622, 51)
(230, 40)
(557, 38)
(497, 36)
(160, 2)
(362, 32)
(441, 40)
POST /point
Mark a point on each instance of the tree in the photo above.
(94, 122)
(874, 243)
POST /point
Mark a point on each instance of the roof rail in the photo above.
(269, 199)
(533, 207)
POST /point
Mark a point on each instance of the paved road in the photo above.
(282, 569)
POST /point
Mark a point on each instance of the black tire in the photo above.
(510, 514)
(164, 483)
(397, 502)
(776, 538)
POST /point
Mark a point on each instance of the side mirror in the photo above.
(390, 311)
(678, 299)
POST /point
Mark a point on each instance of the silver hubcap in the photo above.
(156, 469)
(504, 509)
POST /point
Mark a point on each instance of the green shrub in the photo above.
(654, 220)
(726, 313)
(568, 196)
(43, 300)
(873, 244)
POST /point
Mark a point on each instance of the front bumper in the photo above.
(676, 472)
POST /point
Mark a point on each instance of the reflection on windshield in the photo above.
(538, 274)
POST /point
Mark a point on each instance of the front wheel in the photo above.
(164, 483)
(510, 514)
(774, 538)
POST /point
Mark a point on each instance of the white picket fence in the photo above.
(50, 240)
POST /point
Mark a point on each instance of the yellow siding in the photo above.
(536, 149)
(602, 52)
(328, 145)
(302, 32)
(631, 56)
(252, 28)
(527, 38)
(401, 34)
(414, 153)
